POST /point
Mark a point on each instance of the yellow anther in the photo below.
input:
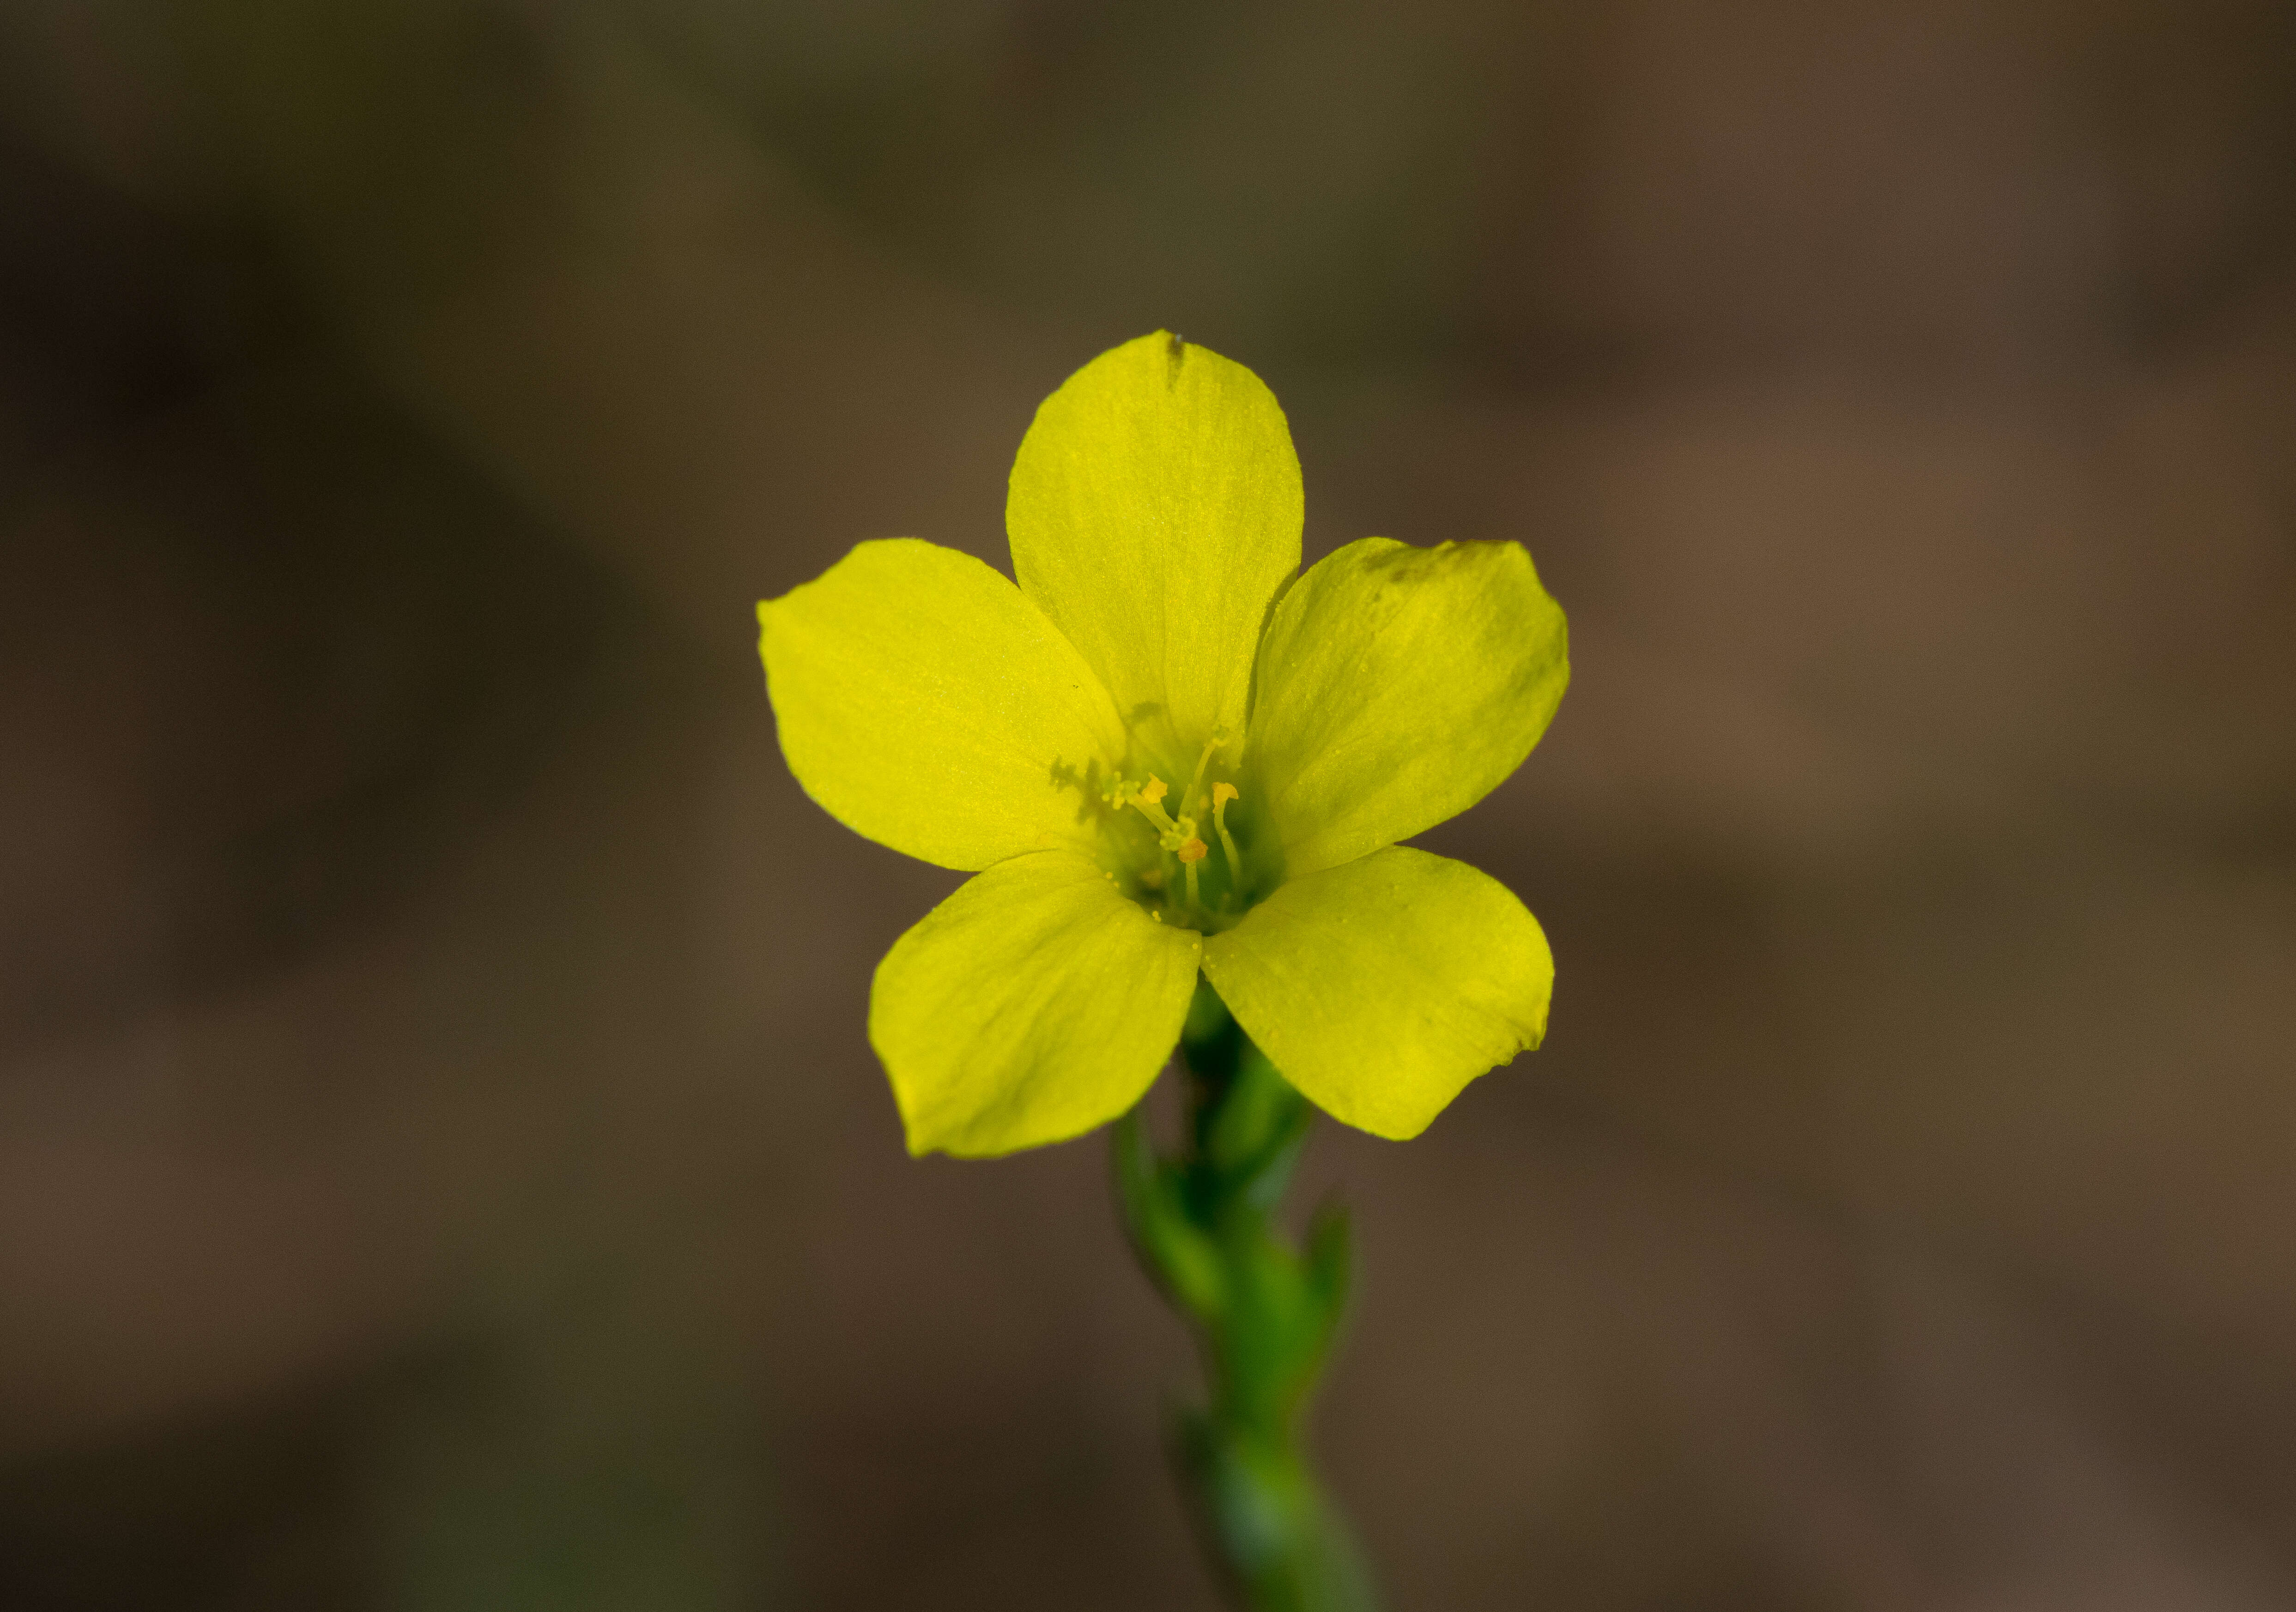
(1222, 793)
(1153, 791)
(1192, 853)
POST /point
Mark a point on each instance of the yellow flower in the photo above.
(1161, 753)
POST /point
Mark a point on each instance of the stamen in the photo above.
(1181, 846)
(1222, 793)
(1146, 798)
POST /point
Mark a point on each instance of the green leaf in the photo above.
(1397, 686)
(1381, 987)
(1154, 510)
(1029, 1007)
(925, 703)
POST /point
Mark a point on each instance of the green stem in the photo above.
(1263, 1311)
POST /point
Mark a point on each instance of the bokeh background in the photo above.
(440, 1164)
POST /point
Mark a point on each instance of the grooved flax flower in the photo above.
(1162, 753)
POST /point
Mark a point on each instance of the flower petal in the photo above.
(1031, 1006)
(1154, 510)
(1382, 987)
(923, 701)
(1397, 686)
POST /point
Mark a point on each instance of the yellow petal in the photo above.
(1382, 987)
(1154, 510)
(923, 701)
(1031, 1006)
(1397, 686)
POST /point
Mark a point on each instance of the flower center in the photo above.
(1155, 847)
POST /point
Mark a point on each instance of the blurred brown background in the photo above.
(440, 1165)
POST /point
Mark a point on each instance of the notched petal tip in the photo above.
(924, 1138)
